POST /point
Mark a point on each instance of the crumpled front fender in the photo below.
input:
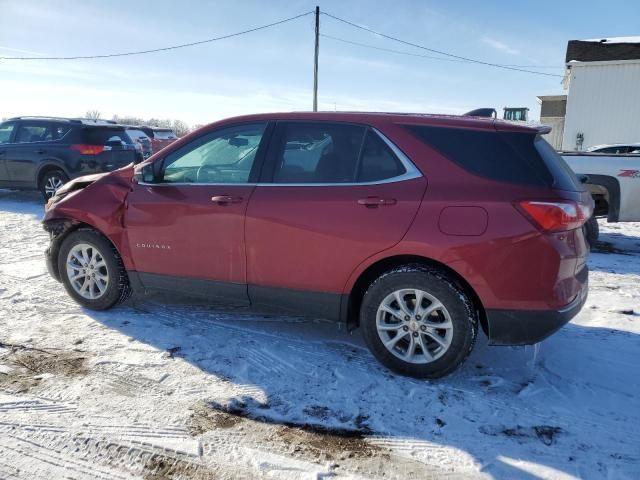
(96, 201)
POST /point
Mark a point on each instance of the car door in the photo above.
(31, 147)
(7, 131)
(185, 223)
(336, 194)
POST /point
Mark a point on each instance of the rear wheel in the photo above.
(417, 322)
(92, 271)
(50, 182)
(592, 231)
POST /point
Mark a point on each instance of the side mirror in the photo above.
(145, 174)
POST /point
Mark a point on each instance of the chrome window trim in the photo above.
(411, 172)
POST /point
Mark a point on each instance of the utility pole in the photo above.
(315, 61)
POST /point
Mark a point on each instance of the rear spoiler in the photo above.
(482, 112)
(491, 113)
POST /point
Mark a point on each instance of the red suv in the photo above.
(418, 228)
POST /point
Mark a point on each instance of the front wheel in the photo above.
(92, 271)
(417, 322)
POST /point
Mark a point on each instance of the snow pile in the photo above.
(179, 389)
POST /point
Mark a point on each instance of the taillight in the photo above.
(556, 216)
(89, 149)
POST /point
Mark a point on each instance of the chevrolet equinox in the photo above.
(418, 228)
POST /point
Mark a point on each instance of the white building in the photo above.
(602, 83)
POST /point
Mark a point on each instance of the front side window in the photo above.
(224, 156)
(6, 129)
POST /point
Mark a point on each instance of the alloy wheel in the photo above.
(414, 326)
(87, 271)
(52, 184)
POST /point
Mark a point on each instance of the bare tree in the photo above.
(180, 128)
(93, 114)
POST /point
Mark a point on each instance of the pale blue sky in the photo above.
(271, 70)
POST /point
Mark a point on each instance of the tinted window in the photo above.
(139, 134)
(6, 129)
(563, 177)
(41, 132)
(612, 150)
(224, 156)
(501, 156)
(102, 136)
(164, 134)
(318, 153)
(378, 161)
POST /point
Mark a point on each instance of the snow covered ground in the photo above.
(163, 389)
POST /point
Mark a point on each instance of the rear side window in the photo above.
(41, 132)
(333, 153)
(319, 153)
(102, 136)
(500, 156)
(378, 161)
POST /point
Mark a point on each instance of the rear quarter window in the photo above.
(500, 156)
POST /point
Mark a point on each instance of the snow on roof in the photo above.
(635, 39)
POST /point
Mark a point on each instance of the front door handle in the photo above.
(225, 199)
(375, 202)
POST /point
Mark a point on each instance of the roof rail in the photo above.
(96, 121)
(45, 117)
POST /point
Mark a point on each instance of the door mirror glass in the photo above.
(145, 174)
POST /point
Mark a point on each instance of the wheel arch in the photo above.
(612, 187)
(48, 166)
(352, 302)
(60, 229)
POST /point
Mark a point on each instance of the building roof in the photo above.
(599, 50)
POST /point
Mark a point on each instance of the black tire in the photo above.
(592, 231)
(117, 288)
(438, 284)
(50, 179)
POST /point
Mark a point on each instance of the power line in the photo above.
(164, 49)
(432, 57)
(439, 52)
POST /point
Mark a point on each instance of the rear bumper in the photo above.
(526, 327)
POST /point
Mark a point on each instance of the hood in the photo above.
(120, 176)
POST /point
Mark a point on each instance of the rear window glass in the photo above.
(100, 136)
(136, 133)
(501, 156)
(163, 135)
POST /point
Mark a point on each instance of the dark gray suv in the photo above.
(43, 153)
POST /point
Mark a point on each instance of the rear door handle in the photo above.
(225, 199)
(375, 202)
(40, 150)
